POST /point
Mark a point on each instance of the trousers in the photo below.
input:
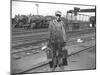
(59, 56)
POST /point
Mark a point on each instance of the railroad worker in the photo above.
(57, 41)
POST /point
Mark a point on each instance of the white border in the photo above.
(5, 37)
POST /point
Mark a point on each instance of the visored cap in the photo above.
(58, 13)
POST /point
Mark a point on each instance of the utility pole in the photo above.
(37, 6)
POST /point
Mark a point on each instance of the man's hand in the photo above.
(64, 46)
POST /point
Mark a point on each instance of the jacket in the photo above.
(57, 31)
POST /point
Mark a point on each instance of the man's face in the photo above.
(58, 17)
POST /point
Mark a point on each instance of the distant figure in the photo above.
(57, 42)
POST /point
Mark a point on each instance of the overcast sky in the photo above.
(26, 8)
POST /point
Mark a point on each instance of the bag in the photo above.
(49, 53)
(65, 62)
(65, 55)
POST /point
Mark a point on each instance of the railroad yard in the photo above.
(27, 56)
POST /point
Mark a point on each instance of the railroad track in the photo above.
(35, 48)
(39, 30)
(43, 39)
(28, 31)
(46, 32)
(44, 64)
(18, 54)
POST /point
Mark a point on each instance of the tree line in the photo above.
(31, 21)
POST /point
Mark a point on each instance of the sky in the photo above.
(26, 8)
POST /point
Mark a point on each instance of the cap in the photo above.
(58, 13)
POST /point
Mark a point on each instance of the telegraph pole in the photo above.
(37, 6)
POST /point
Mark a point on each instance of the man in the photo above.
(57, 41)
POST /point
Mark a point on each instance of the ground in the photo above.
(22, 41)
(82, 61)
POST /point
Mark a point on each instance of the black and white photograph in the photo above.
(52, 37)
